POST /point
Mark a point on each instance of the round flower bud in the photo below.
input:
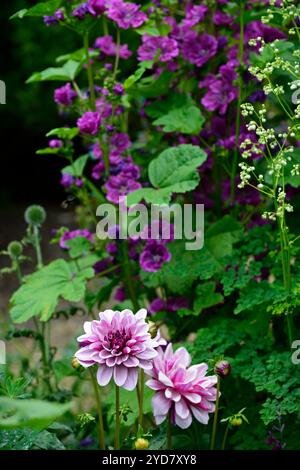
(76, 364)
(152, 329)
(236, 421)
(141, 444)
(35, 215)
(222, 368)
(15, 249)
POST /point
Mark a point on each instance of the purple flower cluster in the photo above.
(126, 15)
(162, 46)
(154, 254)
(58, 16)
(108, 47)
(65, 95)
(221, 91)
(89, 123)
(198, 49)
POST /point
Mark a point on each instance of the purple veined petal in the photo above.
(154, 384)
(146, 365)
(104, 374)
(165, 380)
(132, 378)
(192, 397)
(147, 354)
(200, 415)
(172, 394)
(160, 404)
(183, 356)
(87, 326)
(169, 352)
(131, 361)
(120, 375)
(181, 409)
(84, 355)
(104, 354)
(141, 314)
(201, 369)
(107, 315)
(160, 419)
(183, 423)
(111, 361)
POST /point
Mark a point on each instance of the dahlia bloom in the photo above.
(126, 15)
(181, 389)
(89, 123)
(119, 343)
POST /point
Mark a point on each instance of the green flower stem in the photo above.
(169, 432)
(89, 72)
(225, 437)
(215, 423)
(37, 247)
(238, 111)
(117, 429)
(99, 409)
(141, 396)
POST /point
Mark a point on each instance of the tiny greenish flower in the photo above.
(14, 249)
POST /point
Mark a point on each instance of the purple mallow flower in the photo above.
(97, 7)
(118, 89)
(154, 255)
(54, 19)
(194, 15)
(80, 11)
(68, 180)
(199, 48)
(220, 90)
(120, 185)
(165, 47)
(65, 95)
(126, 15)
(55, 143)
(108, 47)
(70, 235)
(89, 123)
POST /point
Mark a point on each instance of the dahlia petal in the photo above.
(159, 419)
(104, 375)
(148, 354)
(132, 378)
(131, 361)
(160, 404)
(200, 415)
(182, 409)
(141, 314)
(183, 356)
(164, 379)
(183, 423)
(154, 384)
(120, 375)
(147, 365)
(192, 397)
(172, 394)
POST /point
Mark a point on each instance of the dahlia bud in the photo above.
(15, 249)
(236, 421)
(141, 444)
(222, 368)
(76, 364)
(153, 329)
(35, 215)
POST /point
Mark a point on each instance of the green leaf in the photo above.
(41, 9)
(132, 79)
(221, 236)
(79, 246)
(48, 151)
(173, 171)
(17, 439)
(35, 414)
(152, 29)
(48, 441)
(151, 87)
(41, 291)
(259, 293)
(206, 297)
(64, 132)
(78, 166)
(68, 71)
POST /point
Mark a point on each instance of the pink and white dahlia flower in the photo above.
(120, 344)
(181, 389)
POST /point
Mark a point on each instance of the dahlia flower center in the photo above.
(117, 341)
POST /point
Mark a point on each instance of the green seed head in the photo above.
(15, 249)
(35, 215)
